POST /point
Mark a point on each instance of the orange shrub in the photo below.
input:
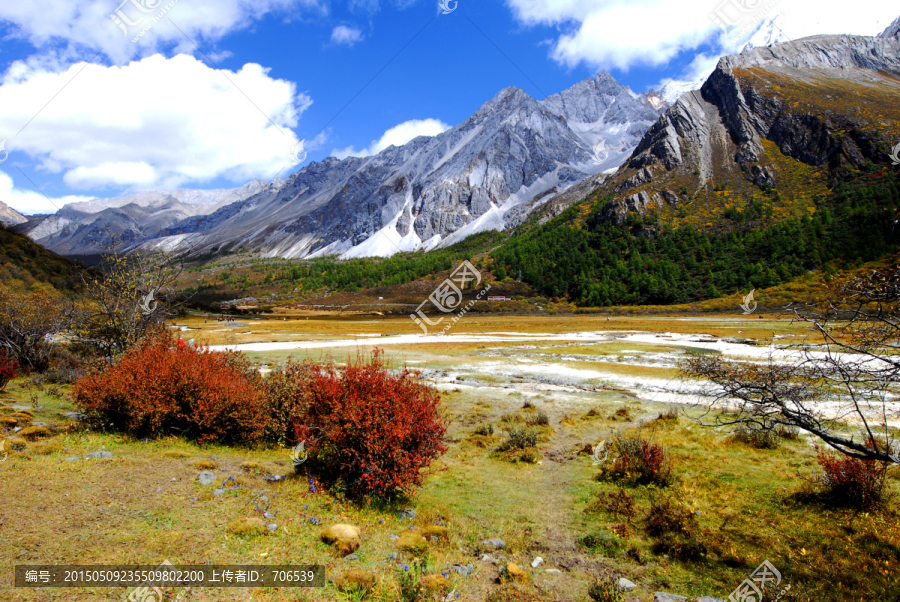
(848, 481)
(8, 368)
(161, 387)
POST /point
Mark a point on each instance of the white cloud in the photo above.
(396, 136)
(87, 23)
(154, 123)
(346, 35)
(30, 202)
(627, 33)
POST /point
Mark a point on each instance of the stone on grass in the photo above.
(393, 556)
(98, 454)
(354, 580)
(625, 585)
(537, 562)
(44, 424)
(665, 597)
(435, 583)
(494, 544)
(247, 526)
(272, 527)
(514, 571)
(436, 531)
(76, 416)
(206, 477)
(28, 409)
(412, 542)
(351, 557)
(463, 569)
(343, 538)
(553, 572)
(409, 513)
(179, 455)
(34, 432)
(218, 491)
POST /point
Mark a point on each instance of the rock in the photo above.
(494, 544)
(436, 532)
(463, 569)
(664, 597)
(159, 490)
(76, 416)
(272, 527)
(537, 562)
(344, 538)
(708, 599)
(28, 409)
(412, 542)
(351, 557)
(354, 580)
(268, 515)
(72, 459)
(553, 572)
(393, 556)
(17, 429)
(393, 537)
(247, 526)
(514, 571)
(219, 491)
(409, 513)
(625, 585)
(274, 478)
(97, 454)
(206, 478)
(435, 583)
(43, 424)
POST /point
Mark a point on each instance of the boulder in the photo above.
(343, 538)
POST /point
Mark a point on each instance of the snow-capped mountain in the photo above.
(488, 172)
(85, 228)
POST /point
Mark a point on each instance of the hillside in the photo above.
(25, 264)
(768, 172)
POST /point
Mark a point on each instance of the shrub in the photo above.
(606, 543)
(641, 461)
(519, 437)
(537, 418)
(286, 397)
(619, 503)
(851, 482)
(674, 528)
(605, 590)
(758, 438)
(8, 369)
(486, 429)
(623, 414)
(369, 429)
(160, 387)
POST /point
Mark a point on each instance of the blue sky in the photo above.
(157, 113)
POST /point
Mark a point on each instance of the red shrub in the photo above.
(852, 482)
(8, 369)
(373, 430)
(641, 461)
(162, 387)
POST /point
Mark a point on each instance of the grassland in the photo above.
(145, 505)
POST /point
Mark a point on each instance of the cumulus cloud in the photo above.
(396, 136)
(87, 23)
(346, 35)
(158, 122)
(627, 33)
(31, 202)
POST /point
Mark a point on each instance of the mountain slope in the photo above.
(82, 229)
(788, 118)
(9, 216)
(25, 264)
(485, 173)
(778, 166)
